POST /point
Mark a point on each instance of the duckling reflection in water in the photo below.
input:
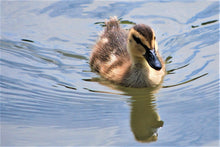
(144, 120)
(129, 58)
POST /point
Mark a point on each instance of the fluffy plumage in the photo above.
(129, 58)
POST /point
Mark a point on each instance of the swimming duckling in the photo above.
(129, 58)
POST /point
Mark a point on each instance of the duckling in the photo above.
(129, 58)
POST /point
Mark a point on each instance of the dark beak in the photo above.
(150, 55)
(152, 59)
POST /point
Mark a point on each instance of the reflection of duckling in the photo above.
(145, 120)
(128, 58)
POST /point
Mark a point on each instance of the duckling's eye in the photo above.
(138, 41)
(154, 37)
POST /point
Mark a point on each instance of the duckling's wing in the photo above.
(111, 47)
(116, 36)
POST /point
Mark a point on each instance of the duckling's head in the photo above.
(142, 45)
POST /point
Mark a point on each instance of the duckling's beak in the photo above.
(152, 59)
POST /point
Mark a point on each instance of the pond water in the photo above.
(49, 96)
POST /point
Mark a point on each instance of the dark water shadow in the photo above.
(185, 82)
(121, 21)
(172, 71)
(70, 54)
(204, 23)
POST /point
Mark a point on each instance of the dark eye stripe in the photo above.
(138, 41)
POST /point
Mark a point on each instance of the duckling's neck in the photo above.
(138, 62)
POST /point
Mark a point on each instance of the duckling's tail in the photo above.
(112, 23)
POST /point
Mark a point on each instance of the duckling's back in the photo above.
(110, 56)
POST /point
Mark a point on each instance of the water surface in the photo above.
(49, 96)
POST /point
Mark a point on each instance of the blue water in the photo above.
(50, 97)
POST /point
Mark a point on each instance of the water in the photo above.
(49, 96)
